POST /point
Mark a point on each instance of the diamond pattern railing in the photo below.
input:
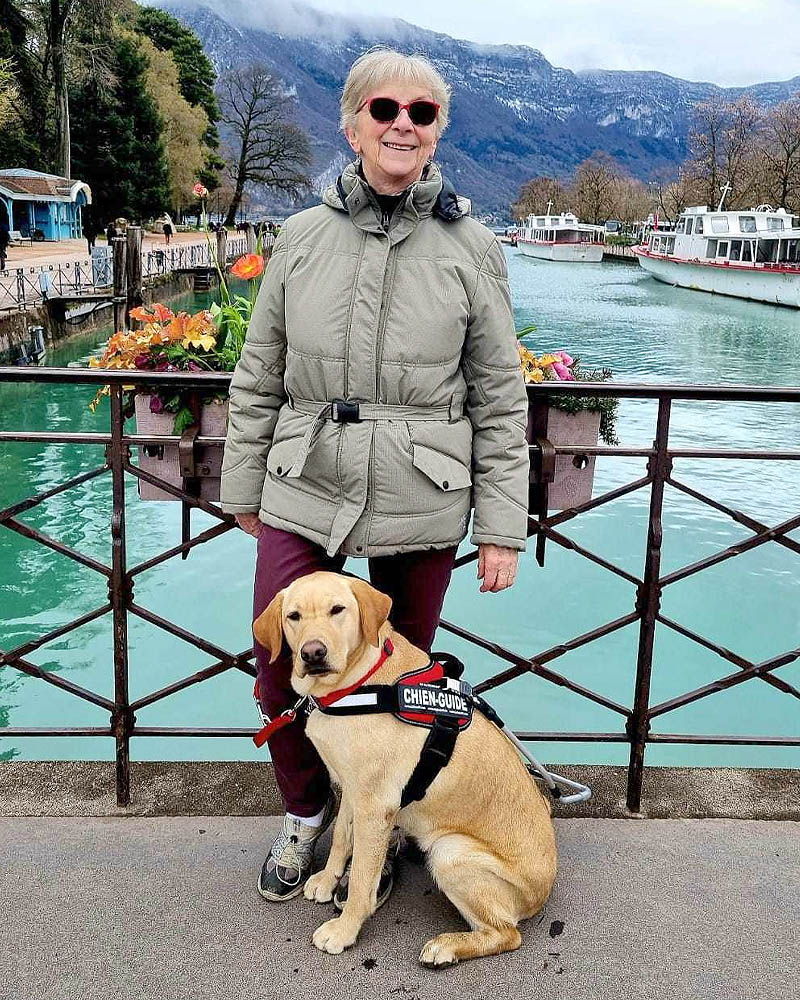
(647, 586)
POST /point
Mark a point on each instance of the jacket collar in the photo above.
(432, 194)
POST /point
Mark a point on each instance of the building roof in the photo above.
(32, 185)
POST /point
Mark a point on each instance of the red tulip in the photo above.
(248, 267)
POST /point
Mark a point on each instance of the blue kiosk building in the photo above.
(42, 206)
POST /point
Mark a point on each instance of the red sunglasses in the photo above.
(386, 109)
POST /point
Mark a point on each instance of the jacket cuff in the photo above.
(479, 538)
(241, 508)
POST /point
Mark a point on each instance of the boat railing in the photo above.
(638, 715)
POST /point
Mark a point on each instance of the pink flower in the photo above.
(156, 406)
(563, 372)
(564, 357)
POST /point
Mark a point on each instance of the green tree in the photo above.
(117, 140)
(184, 125)
(196, 77)
(21, 138)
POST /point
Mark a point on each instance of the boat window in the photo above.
(747, 251)
(689, 224)
(736, 250)
(747, 223)
(722, 248)
(767, 251)
(773, 223)
(719, 224)
(711, 249)
(541, 222)
(792, 249)
(681, 227)
(698, 225)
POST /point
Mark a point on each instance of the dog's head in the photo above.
(331, 625)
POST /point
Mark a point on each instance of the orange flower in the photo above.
(158, 314)
(249, 266)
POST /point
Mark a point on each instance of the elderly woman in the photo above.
(378, 400)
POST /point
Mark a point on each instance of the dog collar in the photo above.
(334, 696)
(285, 718)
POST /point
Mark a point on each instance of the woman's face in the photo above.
(392, 153)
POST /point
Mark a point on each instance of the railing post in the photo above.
(134, 269)
(120, 250)
(222, 250)
(648, 602)
(122, 721)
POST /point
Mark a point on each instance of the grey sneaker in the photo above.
(291, 858)
(388, 873)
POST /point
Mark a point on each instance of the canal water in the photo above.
(610, 315)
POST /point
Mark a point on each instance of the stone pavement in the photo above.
(166, 907)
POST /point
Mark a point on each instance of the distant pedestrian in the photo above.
(167, 227)
(89, 232)
(5, 239)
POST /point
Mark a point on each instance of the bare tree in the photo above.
(778, 158)
(674, 193)
(723, 142)
(594, 188)
(268, 148)
(535, 194)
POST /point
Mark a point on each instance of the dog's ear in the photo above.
(268, 627)
(373, 607)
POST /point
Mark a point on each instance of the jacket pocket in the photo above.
(446, 472)
(281, 456)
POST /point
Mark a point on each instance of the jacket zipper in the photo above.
(388, 282)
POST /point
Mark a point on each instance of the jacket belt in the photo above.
(347, 411)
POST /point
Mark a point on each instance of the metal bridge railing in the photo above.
(647, 586)
(25, 287)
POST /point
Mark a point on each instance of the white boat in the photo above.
(561, 237)
(748, 254)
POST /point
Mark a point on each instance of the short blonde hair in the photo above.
(378, 66)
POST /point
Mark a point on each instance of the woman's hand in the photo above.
(249, 523)
(497, 567)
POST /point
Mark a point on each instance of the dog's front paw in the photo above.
(438, 953)
(334, 936)
(320, 886)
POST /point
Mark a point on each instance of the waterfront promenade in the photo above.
(167, 907)
(102, 903)
(67, 251)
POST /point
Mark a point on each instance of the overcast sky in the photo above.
(729, 42)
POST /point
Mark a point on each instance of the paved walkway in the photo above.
(166, 908)
(68, 251)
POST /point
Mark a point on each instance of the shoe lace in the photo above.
(291, 853)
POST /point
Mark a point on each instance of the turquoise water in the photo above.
(610, 315)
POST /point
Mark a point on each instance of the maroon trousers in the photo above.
(416, 582)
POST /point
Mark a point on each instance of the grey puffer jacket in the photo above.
(415, 325)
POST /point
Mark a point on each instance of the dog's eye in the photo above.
(294, 616)
(337, 609)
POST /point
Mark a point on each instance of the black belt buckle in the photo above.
(344, 411)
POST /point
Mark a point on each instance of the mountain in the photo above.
(513, 114)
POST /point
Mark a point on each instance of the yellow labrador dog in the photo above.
(484, 825)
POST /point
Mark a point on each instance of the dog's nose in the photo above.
(313, 652)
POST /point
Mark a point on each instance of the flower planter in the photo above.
(163, 460)
(573, 475)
